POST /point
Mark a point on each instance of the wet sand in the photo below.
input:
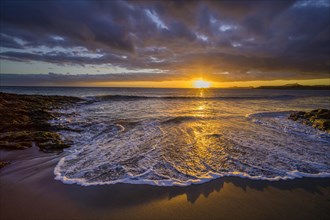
(28, 191)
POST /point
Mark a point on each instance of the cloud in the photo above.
(67, 79)
(248, 39)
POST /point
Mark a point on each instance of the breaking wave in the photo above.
(137, 98)
(165, 147)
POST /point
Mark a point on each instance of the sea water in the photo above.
(180, 137)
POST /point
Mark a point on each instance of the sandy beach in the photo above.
(165, 109)
(29, 191)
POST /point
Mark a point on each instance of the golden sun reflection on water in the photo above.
(201, 107)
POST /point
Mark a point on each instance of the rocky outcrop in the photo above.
(318, 118)
(24, 121)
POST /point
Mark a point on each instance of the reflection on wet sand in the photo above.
(127, 194)
(29, 184)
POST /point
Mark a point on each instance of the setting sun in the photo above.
(201, 84)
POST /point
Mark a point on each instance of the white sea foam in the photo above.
(208, 177)
(183, 142)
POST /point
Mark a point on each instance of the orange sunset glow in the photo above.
(201, 84)
(165, 109)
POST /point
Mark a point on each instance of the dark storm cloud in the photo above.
(248, 40)
(60, 58)
(81, 22)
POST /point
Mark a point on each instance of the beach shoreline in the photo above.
(28, 184)
(25, 122)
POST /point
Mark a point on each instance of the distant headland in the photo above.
(296, 86)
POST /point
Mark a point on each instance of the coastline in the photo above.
(28, 184)
(25, 122)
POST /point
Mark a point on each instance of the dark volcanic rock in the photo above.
(24, 121)
(318, 118)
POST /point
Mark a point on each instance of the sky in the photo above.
(164, 43)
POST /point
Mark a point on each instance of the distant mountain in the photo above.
(240, 87)
(293, 84)
(296, 86)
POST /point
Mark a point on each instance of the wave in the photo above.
(136, 98)
(278, 121)
(268, 114)
(171, 153)
(172, 182)
(171, 145)
(180, 119)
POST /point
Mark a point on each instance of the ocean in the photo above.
(168, 137)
